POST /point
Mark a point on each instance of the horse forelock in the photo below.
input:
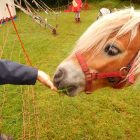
(97, 35)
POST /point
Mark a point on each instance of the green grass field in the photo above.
(37, 113)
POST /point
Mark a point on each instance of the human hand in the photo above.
(45, 79)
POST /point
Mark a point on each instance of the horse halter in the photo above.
(89, 76)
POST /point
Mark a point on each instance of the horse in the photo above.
(106, 55)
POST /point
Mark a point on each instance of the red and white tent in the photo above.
(4, 14)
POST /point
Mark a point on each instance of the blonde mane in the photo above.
(97, 35)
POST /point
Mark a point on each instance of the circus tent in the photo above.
(4, 14)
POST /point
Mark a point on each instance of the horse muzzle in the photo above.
(69, 79)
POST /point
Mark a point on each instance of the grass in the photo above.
(38, 113)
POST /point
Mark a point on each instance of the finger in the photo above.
(54, 88)
(50, 84)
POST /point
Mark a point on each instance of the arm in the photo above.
(14, 73)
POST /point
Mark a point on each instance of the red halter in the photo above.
(89, 77)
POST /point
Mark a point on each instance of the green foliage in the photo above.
(57, 3)
(108, 4)
(52, 3)
(133, 1)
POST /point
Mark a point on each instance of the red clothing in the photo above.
(76, 5)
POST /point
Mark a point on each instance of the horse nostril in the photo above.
(59, 75)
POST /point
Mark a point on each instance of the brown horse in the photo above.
(107, 54)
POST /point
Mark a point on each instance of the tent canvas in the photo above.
(4, 14)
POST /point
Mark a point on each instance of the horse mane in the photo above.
(119, 22)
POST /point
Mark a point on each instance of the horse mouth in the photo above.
(70, 90)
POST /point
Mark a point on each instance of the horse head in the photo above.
(107, 54)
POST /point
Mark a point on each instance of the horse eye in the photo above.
(112, 50)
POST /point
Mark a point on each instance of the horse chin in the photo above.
(73, 90)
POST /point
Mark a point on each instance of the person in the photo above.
(103, 11)
(18, 74)
(76, 8)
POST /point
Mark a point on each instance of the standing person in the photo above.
(76, 8)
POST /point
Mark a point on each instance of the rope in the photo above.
(21, 43)
(44, 6)
(25, 110)
(4, 41)
(29, 113)
(40, 20)
(34, 14)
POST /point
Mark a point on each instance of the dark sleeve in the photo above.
(14, 73)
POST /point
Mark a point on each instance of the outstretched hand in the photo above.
(45, 80)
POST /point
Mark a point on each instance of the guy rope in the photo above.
(32, 12)
(21, 43)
